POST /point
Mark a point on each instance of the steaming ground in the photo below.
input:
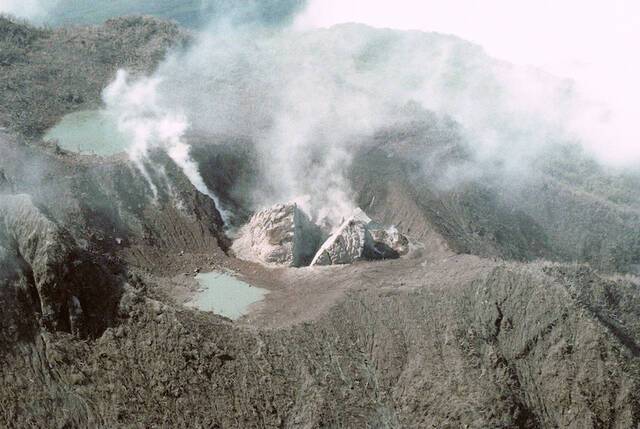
(308, 109)
(150, 126)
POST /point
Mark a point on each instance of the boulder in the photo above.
(284, 235)
(389, 241)
(351, 242)
(360, 239)
(280, 235)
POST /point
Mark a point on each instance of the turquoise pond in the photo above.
(225, 295)
(89, 132)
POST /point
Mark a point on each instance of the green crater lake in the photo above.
(89, 132)
(225, 295)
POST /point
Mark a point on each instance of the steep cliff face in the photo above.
(59, 286)
(45, 250)
(108, 206)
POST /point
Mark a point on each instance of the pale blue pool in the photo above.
(89, 132)
(225, 295)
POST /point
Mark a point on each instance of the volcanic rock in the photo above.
(359, 238)
(280, 235)
(40, 245)
(389, 240)
(351, 242)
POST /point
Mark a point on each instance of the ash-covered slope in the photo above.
(449, 344)
(539, 214)
(108, 206)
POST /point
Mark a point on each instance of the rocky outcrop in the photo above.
(280, 235)
(39, 244)
(284, 235)
(64, 288)
(389, 240)
(4, 181)
(350, 243)
(360, 239)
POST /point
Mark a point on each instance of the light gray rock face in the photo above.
(284, 235)
(357, 239)
(351, 242)
(34, 243)
(280, 235)
(390, 240)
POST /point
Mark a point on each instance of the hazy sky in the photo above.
(542, 32)
(594, 42)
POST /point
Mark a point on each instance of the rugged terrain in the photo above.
(521, 307)
(38, 85)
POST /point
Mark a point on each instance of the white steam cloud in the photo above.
(591, 42)
(35, 10)
(295, 96)
(307, 97)
(149, 126)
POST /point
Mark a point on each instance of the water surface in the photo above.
(89, 132)
(225, 295)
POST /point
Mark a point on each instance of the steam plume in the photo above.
(149, 125)
(307, 98)
(35, 10)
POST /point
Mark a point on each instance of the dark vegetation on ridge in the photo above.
(46, 73)
(189, 13)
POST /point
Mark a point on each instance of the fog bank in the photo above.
(308, 97)
(591, 43)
